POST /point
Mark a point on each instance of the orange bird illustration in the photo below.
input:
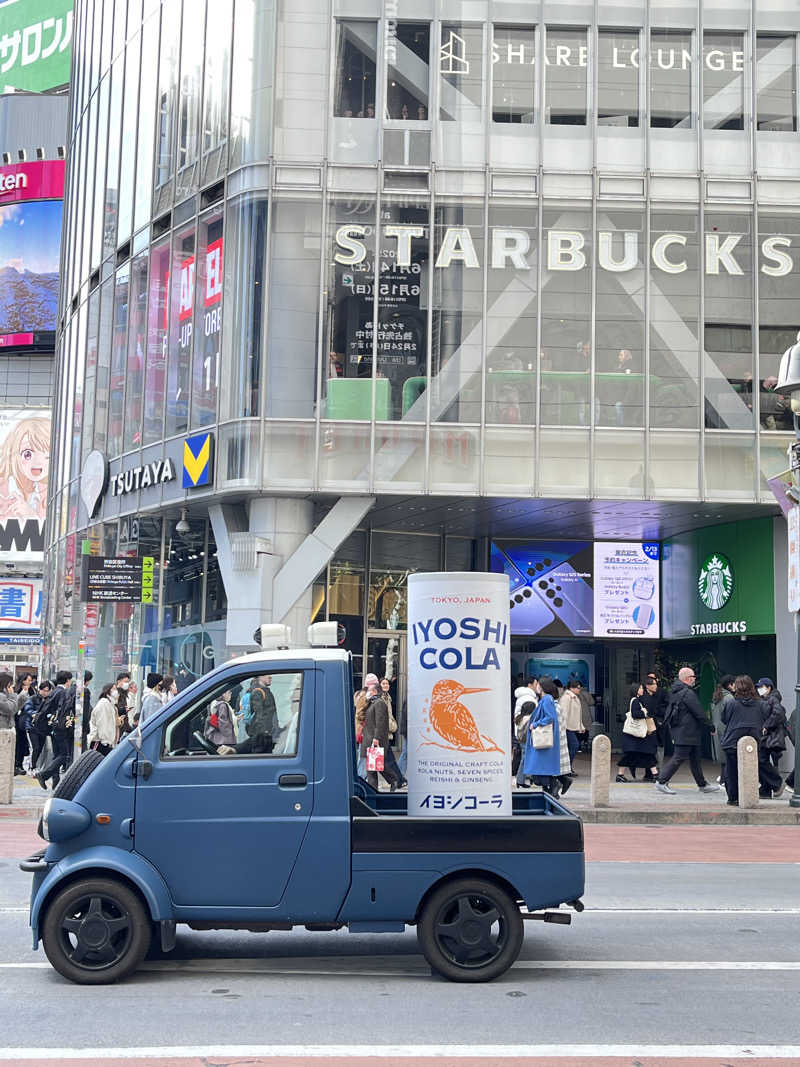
(453, 721)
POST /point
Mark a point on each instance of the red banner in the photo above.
(42, 180)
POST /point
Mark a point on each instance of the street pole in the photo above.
(794, 800)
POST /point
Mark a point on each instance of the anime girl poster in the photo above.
(24, 463)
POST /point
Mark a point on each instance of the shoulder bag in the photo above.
(635, 727)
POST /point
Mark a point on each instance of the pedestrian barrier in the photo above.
(747, 765)
(601, 771)
(8, 740)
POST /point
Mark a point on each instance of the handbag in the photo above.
(375, 756)
(542, 736)
(635, 727)
(651, 725)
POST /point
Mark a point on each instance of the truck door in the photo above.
(227, 799)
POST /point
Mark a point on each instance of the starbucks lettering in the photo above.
(565, 250)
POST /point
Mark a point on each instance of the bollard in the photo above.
(601, 771)
(747, 766)
(8, 741)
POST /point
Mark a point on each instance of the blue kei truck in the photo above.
(277, 830)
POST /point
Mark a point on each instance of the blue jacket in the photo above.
(545, 762)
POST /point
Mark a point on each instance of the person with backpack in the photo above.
(60, 709)
(687, 723)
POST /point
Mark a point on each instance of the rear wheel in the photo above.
(470, 930)
(96, 931)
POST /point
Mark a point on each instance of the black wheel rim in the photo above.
(95, 932)
(470, 930)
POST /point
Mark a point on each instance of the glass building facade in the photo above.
(462, 249)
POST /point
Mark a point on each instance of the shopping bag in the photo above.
(375, 756)
(542, 736)
(46, 755)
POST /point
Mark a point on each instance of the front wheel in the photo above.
(96, 932)
(470, 930)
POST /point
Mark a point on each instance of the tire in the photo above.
(96, 932)
(470, 930)
(77, 774)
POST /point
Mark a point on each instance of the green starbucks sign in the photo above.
(35, 45)
(715, 583)
(718, 581)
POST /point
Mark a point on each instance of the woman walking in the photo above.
(743, 717)
(390, 758)
(544, 765)
(723, 695)
(103, 723)
(638, 751)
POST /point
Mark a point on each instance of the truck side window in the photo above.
(253, 715)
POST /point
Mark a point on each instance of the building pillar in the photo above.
(269, 555)
(785, 635)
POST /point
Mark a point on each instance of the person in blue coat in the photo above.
(544, 764)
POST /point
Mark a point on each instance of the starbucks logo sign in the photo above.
(715, 583)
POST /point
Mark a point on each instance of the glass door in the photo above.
(386, 657)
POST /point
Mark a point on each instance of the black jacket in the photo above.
(376, 725)
(776, 728)
(264, 720)
(743, 718)
(640, 708)
(685, 716)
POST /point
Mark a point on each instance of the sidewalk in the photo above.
(640, 802)
(28, 800)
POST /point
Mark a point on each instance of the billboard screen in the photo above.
(30, 242)
(35, 45)
(24, 462)
(551, 586)
(626, 589)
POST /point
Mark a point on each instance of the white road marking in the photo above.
(372, 1051)
(353, 966)
(690, 911)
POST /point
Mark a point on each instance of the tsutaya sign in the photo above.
(156, 473)
(565, 250)
(458, 684)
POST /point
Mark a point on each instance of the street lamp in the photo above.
(789, 382)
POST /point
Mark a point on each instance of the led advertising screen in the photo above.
(30, 243)
(551, 586)
(626, 589)
(582, 588)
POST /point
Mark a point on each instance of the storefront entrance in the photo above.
(386, 656)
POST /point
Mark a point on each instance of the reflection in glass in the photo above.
(216, 75)
(356, 48)
(723, 81)
(566, 356)
(619, 326)
(674, 319)
(513, 74)
(511, 314)
(156, 370)
(112, 168)
(244, 272)
(402, 344)
(457, 344)
(567, 60)
(618, 78)
(116, 407)
(775, 82)
(128, 154)
(137, 330)
(394, 556)
(92, 332)
(208, 321)
(408, 72)
(728, 359)
(147, 118)
(346, 381)
(182, 277)
(461, 73)
(670, 78)
(193, 33)
(100, 185)
(167, 94)
(103, 363)
(778, 311)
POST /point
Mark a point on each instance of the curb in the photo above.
(659, 817)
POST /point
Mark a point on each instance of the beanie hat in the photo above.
(370, 681)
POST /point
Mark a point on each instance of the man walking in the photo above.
(60, 711)
(687, 721)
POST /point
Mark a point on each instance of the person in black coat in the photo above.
(60, 709)
(744, 716)
(638, 751)
(687, 722)
(776, 728)
(376, 728)
(657, 707)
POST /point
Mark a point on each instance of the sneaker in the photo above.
(42, 782)
(733, 803)
(779, 792)
(710, 787)
(662, 787)
(621, 778)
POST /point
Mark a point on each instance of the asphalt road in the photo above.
(676, 955)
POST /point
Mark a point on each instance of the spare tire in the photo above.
(77, 774)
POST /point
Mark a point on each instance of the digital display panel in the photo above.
(626, 589)
(551, 586)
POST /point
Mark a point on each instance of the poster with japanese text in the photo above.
(21, 605)
(626, 589)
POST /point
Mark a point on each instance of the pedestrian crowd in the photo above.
(550, 722)
(44, 717)
(379, 728)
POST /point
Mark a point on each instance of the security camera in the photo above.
(182, 527)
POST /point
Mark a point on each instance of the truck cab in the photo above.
(264, 824)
